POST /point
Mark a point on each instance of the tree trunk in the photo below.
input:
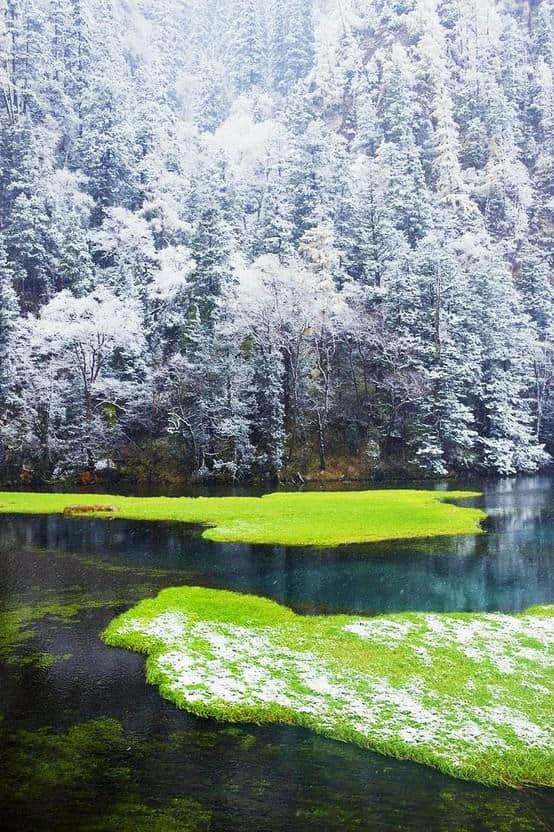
(321, 437)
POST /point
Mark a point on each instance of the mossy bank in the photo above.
(287, 518)
(470, 694)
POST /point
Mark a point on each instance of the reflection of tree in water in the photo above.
(504, 569)
(131, 754)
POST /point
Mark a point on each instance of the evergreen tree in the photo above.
(28, 232)
(298, 43)
(9, 325)
(13, 372)
(289, 244)
(543, 32)
(507, 436)
(397, 105)
(250, 46)
(370, 241)
(274, 232)
(403, 184)
(211, 250)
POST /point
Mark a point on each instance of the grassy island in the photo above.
(470, 694)
(286, 518)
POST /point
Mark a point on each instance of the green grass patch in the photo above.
(289, 519)
(470, 694)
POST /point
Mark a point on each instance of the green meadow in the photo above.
(290, 519)
(470, 694)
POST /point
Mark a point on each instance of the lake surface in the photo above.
(87, 745)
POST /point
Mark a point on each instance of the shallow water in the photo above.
(86, 745)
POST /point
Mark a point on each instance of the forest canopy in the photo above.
(245, 237)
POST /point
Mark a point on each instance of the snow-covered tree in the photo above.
(13, 406)
(258, 233)
(91, 345)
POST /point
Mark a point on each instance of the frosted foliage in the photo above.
(99, 320)
(295, 227)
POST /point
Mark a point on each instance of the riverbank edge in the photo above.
(467, 678)
(316, 518)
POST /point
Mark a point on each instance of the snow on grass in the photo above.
(468, 693)
(292, 519)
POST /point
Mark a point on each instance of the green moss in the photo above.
(40, 765)
(35, 762)
(331, 818)
(39, 659)
(461, 692)
(248, 742)
(292, 519)
(492, 814)
(97, 565)
(19, 618)
(179, 815)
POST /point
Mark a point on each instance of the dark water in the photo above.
(86, 745)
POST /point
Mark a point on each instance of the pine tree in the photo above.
(369, 240)
(211, 250)
(450, 355)
(79, 59)
(542, 32)
(397, 106)
(367, 131)
(277, 32)
(507, 436)
(213, 104)
(298, 54)
(268, 428)
(403, 184)
(533, 281)
(474, 151)
(274, 232)
(105, 149)
(250, 47)
(12, 369)
(28, 232)
(9, 314)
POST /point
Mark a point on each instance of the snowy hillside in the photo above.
(242, 237)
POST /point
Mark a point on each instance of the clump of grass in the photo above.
(470, 694)
(290, 519)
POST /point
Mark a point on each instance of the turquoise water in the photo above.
(86, 745)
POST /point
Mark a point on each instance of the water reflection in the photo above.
(59, 773)
(509, 568)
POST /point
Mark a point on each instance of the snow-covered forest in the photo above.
(245, 237)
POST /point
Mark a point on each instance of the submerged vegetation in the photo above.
(22, 617)
(467, 693)
(84, 745)
(17, 620)
(31, 618)
(37, 764)
(291, 519)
